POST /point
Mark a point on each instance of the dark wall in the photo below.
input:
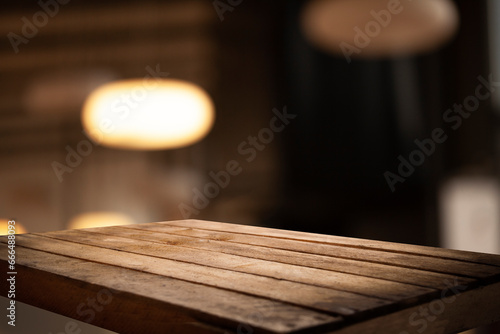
(355, 120)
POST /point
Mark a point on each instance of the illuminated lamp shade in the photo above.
(99, 219)
(4, 227)
(142, 115)
(379, 28)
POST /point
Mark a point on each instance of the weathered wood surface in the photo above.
(196, 276)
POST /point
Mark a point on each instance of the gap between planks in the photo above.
(325, 300)
(367, 286)
(185, 297)
(459, 255)
(413, 261)
(387, 272)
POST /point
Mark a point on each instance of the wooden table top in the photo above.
(195, 276)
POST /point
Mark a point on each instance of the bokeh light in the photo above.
(379, 28)
(143, 115)
(99, 219)
(4, 229)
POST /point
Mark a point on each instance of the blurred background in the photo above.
(325, 172)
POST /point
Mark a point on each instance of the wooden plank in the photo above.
(176, 236)
(316, 298)
(154, 266)
(347, 282)
(489, 259)
(143, 302)
(453, 314)
(448, 266)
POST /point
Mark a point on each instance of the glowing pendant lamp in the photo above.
(378, 28)
(135, 114)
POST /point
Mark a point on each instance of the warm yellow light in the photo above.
(99, 219)
(4, 227)
(379, 28)
(142, 115)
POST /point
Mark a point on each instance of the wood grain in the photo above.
(318, 298)
(197, 240)
(474, 257)
(208, 277)
(468, 310)
(346, 282)
(322, 244)
(60, 284)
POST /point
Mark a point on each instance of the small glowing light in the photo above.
(99, 219)
(142, 115)
(4, 227)
(379, 28)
